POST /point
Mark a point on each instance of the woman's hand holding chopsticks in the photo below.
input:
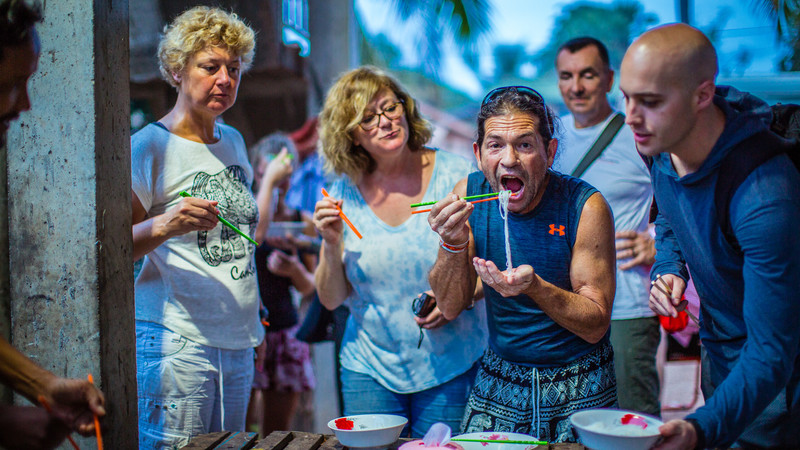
(330, 278)
(190, 214)
(666, 295)
(328, 221)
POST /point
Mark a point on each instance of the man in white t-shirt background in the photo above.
(585, 78)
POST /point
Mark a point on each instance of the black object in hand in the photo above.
(423, 305)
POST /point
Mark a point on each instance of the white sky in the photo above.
(529, 22)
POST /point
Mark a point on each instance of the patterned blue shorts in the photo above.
(508, 397)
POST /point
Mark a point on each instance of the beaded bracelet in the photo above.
(454, 248)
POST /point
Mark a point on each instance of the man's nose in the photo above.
(509, 157)
(577, 85)
(631, 113)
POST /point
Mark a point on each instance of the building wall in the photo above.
(69, 219)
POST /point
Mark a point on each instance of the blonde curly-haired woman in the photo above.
(197, 299)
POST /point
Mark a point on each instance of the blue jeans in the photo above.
(443, 403)
(186, 389)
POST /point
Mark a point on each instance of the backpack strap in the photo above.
(605, 138)
(745, 157)
(648, 161)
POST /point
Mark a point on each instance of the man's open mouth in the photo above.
(512, 183)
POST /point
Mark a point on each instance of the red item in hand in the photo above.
(344, 423)
(674, 324)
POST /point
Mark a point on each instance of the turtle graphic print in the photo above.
(235, 204)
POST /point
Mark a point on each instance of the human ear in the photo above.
(705, 94)
(552, 149)
(177, 77)
(476, 149)
(610, 81)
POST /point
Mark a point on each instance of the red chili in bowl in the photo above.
(344, 423)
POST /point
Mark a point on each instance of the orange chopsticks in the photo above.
(97, 423)
(341, 214)
(43, 402)
(471, 201)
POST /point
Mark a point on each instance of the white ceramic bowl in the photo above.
(370, 430)
(601, 429)
(496, 436)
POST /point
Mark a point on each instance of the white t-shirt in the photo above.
(201, 285)
(622, 177)
(387, 269)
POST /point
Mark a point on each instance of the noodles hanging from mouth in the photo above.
(502, 205)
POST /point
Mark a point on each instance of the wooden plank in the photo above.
(238, 440)
(276, 440)
(305, 441)
(206, 441)
(331, 443)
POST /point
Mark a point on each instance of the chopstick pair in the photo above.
(341, 214)
(667, 290)
(468, 198)
(96, 422)
(499, 441)
(225, 222)
(49, 409)
(46, 406)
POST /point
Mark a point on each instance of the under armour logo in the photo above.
(554, 230)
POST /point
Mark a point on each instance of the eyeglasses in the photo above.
(494, 93)
(391, 112)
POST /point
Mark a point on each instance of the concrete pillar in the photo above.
(334, 35)
(334, 46)
(69, 220)
(5, 300)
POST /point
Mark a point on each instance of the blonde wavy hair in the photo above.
(343, 111)
(198, 28)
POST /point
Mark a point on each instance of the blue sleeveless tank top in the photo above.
(519, 331)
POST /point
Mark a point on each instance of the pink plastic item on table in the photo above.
(418, 445)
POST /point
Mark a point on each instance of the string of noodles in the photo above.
(502, 205)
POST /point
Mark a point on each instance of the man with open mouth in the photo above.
(546, 261)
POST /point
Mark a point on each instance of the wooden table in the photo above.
(292, 440)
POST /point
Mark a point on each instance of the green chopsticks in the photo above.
(228, 224)
(500, 441)
(465, 198)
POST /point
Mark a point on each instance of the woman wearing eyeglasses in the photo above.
(392, 362)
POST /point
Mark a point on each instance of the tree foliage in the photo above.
(507, 58)
(786, 16)
(613, 24)
(436, 20)
(378, 50)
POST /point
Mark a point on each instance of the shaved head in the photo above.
(667, 77)
(682, 53)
